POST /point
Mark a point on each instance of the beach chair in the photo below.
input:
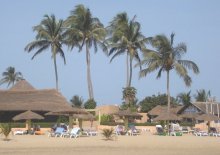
(199, 132)
(58, 132)
(160, 130)
(119, 130)
(74, 133)
(133, 131)
(89, 132)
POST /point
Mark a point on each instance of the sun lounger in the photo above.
(160, 130)
(90, 132)
(198, 132)
(133, 131)
(119, 130)
(58, 132)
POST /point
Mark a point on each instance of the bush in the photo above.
(5, 130)
(106, 118)
(108, 133)
(90, 104)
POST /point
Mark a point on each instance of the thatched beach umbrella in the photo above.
(82, 117)
(167, 117)
(126, 114)
(28, 116)
(207, 117)
(70, 112)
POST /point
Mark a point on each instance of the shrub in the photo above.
(5, 129)
(106, 118)
(90, 104)
(108, 133)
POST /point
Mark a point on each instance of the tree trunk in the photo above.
(130, 76)
(56, 74)
(127, 68)
(168, 92)
(90, 88)
(168, 99)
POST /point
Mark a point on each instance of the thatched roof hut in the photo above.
(167, 117)
(156, 111)
(22, 97)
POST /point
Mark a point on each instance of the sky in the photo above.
(194, 22)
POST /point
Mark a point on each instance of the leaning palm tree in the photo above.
(167, 58)
(49, 35)
(125, 37)
(85, 30)
(10, 76)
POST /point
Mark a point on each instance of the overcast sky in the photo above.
(194, 22)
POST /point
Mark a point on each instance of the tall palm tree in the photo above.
(167, 58)
(202, 95)
(10, 76)
(126, 38)
(185, 98)
(85, 30)
(49, 35)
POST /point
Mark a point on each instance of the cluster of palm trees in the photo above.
(122, 36)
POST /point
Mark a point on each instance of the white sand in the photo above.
(124, 145)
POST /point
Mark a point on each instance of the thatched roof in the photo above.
(163, 109)
(209, 107)
(207, 117)
(189, 115)
(22, 85)
(167, 117)
(128, 113)
(71, 111)
(84, 116)
(25, 98)
(28, 115)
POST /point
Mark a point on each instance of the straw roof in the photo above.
(189, 115)
(22, 85)
(167, 117)
(28, 115)
(163, 109)
(71, 111)
(127, 113)
(210, 107)
(207, 117)
(28, 98)
(84, 116)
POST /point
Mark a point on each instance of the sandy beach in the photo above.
(123, 145)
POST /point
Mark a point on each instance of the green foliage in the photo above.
(184, 98)
(108, 133)
(106, 118)
(10, 76)
(152, 101)
(62, 119)
(132, 106)
(202, 95)
(77, 101)
(5, 129)
(129, 95)
(90, 104)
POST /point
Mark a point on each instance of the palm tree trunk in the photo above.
(168, 92)
(90, 88)
(168, 99)
(127, 68)
(130, 76)
(56, 74)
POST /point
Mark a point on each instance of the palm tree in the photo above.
(129, 95)
(126, 38)
(202, 95)
(49, 35)
(85, 30)
(166, 58)
(184, 98)
(10, 76)
(77, 101)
